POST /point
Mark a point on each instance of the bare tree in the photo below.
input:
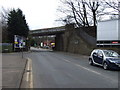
(88, 12)
(115, 5)
(4, 16)
(80, 15)
(93, 6)
(84, 12)
(3, 20)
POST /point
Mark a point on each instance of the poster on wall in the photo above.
(19, 41)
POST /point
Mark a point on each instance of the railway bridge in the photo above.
(57, 31)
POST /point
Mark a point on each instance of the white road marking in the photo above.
(87, 69)
(67, 60)
(82, 67)
(90, 70)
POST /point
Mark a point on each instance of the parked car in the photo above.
(108, 59)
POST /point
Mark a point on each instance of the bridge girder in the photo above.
(48, 31)
(47, 34)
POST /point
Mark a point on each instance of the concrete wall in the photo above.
(59, 42)
(87, 38)
(78, 41)
(74, 43)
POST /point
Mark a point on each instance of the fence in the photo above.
(6, 47)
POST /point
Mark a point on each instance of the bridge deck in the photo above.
(48, 31)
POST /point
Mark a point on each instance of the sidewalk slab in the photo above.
(12, 69)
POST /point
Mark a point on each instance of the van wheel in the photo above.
(90, 62)
(105, 66)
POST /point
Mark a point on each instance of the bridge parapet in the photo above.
(47, 31)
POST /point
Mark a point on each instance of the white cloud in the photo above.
(38, 13)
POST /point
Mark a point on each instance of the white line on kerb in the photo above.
(29, 77)
(28, 68)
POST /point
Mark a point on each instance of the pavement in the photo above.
(13, 66)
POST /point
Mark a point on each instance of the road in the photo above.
(65, 70)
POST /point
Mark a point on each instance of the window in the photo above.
(110, 54)
(100, 53)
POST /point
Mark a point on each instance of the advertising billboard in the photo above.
(19, 41)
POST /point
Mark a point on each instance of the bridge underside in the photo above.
(58, 38)
(59, 42)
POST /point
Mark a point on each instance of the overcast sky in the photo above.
(39, 13)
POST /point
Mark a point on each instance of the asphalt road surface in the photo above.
(64, 70)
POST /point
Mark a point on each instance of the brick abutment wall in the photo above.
(78, 41)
